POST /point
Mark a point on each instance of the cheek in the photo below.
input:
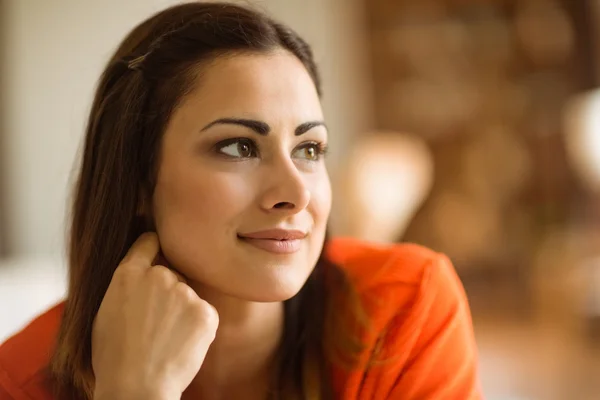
(198, 203)
(321, 200)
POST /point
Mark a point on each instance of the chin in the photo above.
(277, 292)
(269, 298)
(274, 283)
(253, 275)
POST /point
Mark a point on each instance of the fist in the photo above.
(152, 331)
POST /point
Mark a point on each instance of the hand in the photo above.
(152, 331)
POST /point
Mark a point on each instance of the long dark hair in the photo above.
(146, 78)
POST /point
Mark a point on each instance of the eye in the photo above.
(237, 148)
(311, 151)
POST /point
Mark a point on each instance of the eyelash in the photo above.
(320, 147)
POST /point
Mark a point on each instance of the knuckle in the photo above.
(207, 315)
(199, 311)
(161, 275)
(186, 292)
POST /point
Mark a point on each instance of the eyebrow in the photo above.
(262, 128)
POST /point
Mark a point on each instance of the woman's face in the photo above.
(242, 195)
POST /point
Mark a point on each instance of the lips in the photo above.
(275, 234)
(277, 241)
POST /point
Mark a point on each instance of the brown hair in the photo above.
(146, 78)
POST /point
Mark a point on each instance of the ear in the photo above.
(144, 211)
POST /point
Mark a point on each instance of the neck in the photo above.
(243, 355)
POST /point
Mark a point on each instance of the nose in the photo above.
(285, 189)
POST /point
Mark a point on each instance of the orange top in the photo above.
(419, 315)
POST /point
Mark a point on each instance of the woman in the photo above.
(199, 263)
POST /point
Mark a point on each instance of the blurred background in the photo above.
(469, 126)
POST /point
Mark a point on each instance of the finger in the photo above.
(162, 274)
(160, 259)
(144, 250)
(179, 276)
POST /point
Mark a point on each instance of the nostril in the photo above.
(284, 204)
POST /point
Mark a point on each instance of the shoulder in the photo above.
(24, 357)
(419, 319)
(397, 267)
(399, 279)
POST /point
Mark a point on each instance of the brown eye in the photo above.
(309, 152)
(238, 148)
(244, 150)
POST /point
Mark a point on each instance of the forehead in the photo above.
(265, 85)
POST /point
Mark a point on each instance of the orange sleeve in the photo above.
(24, 358)
(8, 390)
(4, 394)
(443, 362)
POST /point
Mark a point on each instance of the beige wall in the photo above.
(55, 50)
(3, 163)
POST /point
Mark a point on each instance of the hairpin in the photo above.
(135, 63)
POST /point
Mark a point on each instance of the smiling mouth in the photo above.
(274, 246)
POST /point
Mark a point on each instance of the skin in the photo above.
(212, 189)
